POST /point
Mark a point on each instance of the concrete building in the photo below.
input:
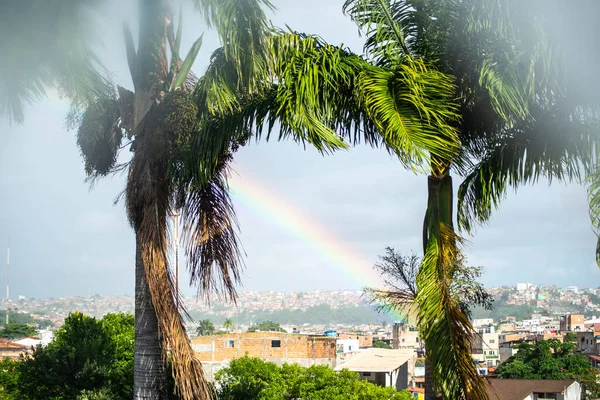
(363, 340)
(588, 342)
(383, 367)
(533, 389)
(508, 349)
(486, 348)
(408, 337)
(215, 352)
(572, 323)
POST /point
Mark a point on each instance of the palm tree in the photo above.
(228, 324)
(174, 163)
(205, 328)
(484, 86)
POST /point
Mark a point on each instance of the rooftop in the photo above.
(519, 389)
(377, 360)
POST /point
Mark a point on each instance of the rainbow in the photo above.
(289, 218)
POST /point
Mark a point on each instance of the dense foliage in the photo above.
(253, 379)
(17, 331)
(89, 358)
(266, 326)
(551, 359)
(205, 328)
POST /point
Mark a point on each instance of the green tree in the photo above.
(266, 326)
(381, 345)
(570, 337)
(89, 357)
(205, 328)
(228, 324)
(253, 379)
(17, 331)
(551, 359)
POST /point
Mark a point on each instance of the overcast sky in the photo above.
(69, 240)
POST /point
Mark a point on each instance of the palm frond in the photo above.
(447, 331)
(553, 146)
(594, 199)
(380, 20)
(242, 27)
(49, 45)
(210, 237)
(413, 108)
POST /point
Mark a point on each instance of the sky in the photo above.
(307, 221)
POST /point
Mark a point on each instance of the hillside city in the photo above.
(509, 300)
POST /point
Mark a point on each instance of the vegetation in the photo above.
(378, 344)
(205, 328)
(17, 331)
(322, 314)
(253, 379)
(89, 357)
(266, 326)
(17, 317)
(551, 359)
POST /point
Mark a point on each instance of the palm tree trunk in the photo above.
(439, 210)
(149, 369)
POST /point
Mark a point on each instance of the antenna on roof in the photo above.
(7, 275)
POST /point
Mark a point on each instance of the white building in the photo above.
(383, 367)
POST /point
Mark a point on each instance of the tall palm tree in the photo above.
(484, 85)
(174, 165)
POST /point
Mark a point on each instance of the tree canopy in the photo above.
(254, 379)
(266, 326)
(89, 358)
(551, 359)
(17, 331)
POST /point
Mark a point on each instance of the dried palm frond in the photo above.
(210, 237)
(148, 205)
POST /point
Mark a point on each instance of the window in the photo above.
(366, 374)
(229, 344)
(492, 341)
(275, 343)
(402, 340)
(491, 352)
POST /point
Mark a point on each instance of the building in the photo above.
(11, 350)
(408, 337)
(215, 352)
(383, 367)
(508, 349)
(482, 322)
(572, 323)
(533, 389)
(485, 348)
(588, 342)
(363, 340)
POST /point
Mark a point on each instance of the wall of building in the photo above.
(363, 340)
(266, 345)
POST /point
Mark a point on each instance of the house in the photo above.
(383, 367)
(215, 352)
(533, 389)
(11, 350)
